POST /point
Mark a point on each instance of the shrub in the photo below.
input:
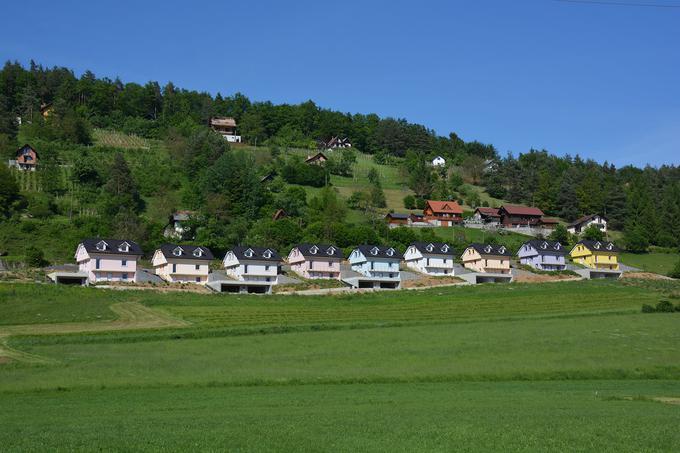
(646, 308)
(420, 203)
(675, 272)
(410, 202)
(34, 257)
(664, 307)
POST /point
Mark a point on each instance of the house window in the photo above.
(97, 263)
(391, 275)
(174, 267)
(109, 276)
(427, 261)
(444, 260)
(245, 268)
(330, 264)
(125, 276)
(198, 279)
(266, 268)
(123, 263)
(198, 267)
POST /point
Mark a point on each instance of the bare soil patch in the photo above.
(430, 281)
(645, 276)
(527, 277)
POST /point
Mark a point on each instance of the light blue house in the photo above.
(543, 255)
(374, 266)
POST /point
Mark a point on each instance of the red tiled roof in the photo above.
(493, 212)
(449, 207)
(514, 209)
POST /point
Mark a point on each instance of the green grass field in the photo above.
(562, 366)
(660, 263)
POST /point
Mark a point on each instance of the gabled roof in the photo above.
(279, 214)
(378, 251)
(112, 246)
(584, 219)
(599, 246)
(491, 212)
(315, 157)
(182, 215)
(545, 247)
(448, 207)
(223, 121)
(433, 248)
(549, 221)
(514, 209)
(189, 252)
(319, 250)
(245, 253)
(491, 249)
(26, 145)
(396, 215)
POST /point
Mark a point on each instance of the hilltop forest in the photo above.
(167, 158)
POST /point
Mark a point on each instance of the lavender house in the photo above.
(543, 255)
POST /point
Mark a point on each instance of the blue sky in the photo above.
(598, 80)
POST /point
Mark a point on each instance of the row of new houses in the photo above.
(449, 213)
(256, 269)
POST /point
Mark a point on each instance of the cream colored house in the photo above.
(487, 258)
(182, 263)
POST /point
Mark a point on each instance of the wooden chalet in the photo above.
(395, 219)
(443, 213)
(26, 158)
(316, 159)
(513, 216)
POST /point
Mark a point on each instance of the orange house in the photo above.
(443, 213)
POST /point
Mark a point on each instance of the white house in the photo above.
(579, 225)
(431, 258)
(374, 267)
(438, 161)
(249, 270)
(108, 260)
(182, 263)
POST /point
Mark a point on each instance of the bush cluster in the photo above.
(663, 306)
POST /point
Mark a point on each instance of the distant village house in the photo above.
(316, 261)
(226, 127)
(443, 213)
(431, 258)
(182, 263)
(580, 225)
(108, 260)
(26, 158)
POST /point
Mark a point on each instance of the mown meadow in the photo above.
(557, 366)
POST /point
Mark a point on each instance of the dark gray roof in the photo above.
(322, 250)
(491, 249)
(258, 253)
(396, 215)
(187, 252)
(584, 219)
(112, 246)
(378, 251)
(437, 248)
(599, 246)
(546, 247)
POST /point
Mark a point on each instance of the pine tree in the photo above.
(120, 191)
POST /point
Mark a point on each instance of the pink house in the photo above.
(108, 260)
(315, 261)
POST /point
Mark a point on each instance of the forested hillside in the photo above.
(117, 158)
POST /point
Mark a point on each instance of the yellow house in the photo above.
(596, 254)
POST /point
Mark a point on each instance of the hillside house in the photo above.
(443, 213)
(489, 216)
(108, 260)
(439, 161)
(249, 270)
(431, 258)
(374, 267)
(418, 220)
(596, 254)
(543, 255)
(579, 225)
(279, 214)
(25, 158)
(316, 261)
(487, 258)
(549, 223)
(182, 263)
(316, 159)
(226, 127)
(334, 143)
(177, 224)
(395, 219)
(514, 216)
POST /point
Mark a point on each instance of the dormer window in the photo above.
(558, 246)
(598, 245)
(502, 249)
(124, 247)
(430, 247)
(374, 251)
(248, 253)
(267, 253)
(544, 245)
(610, 246)
(445, 248)
(198, 252)
(101, 246)
(313, 250)
(177, 251)
(390, 252)
(331, 250)
(487, 249)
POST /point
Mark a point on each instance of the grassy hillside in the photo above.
(657, 262)
(513, 367)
